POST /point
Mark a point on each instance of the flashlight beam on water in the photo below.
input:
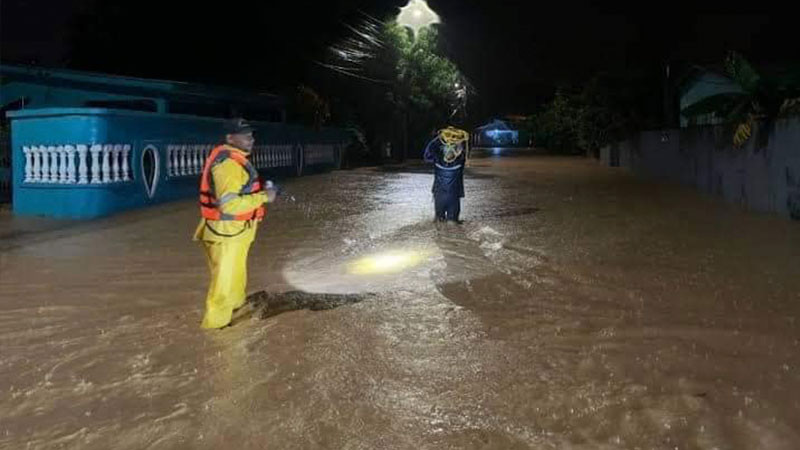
(389, 262)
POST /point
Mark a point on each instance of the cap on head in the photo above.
(238, 126)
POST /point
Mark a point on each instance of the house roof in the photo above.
(685, 81)
(95, 81)
(495, 124)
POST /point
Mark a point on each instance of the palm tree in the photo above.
(761, 99)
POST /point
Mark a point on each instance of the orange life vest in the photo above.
(210, 207)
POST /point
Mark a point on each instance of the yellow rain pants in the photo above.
(227, 243)
(227, 262)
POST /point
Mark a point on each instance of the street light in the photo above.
(417, 15)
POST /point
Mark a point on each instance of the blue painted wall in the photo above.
(87, 126)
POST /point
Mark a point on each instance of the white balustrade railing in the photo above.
(53, 166)
(189, 159)
(126, 174)
(77, 164)
(116, 176)
(106, 178)
(186, 160)
(265, 156)
(83, 168)
(110, 163)
(95, 150)
(69, 151)
(319, 154)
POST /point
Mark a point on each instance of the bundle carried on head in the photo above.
(455, 142)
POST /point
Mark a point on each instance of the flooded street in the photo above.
(577, 307)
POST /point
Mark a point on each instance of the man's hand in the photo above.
(271, 190)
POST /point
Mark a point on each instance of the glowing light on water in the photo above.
(389, 262)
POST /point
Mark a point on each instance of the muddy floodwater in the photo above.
(577, 307)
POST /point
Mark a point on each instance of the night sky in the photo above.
(514, 52)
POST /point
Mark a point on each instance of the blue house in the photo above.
(500, 133)
(85, 145)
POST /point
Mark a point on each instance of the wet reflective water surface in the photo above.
(576, 307)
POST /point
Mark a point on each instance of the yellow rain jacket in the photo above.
(227, 242)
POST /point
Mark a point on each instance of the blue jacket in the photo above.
(448, 177)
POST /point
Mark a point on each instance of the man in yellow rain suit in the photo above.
(232, 203)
